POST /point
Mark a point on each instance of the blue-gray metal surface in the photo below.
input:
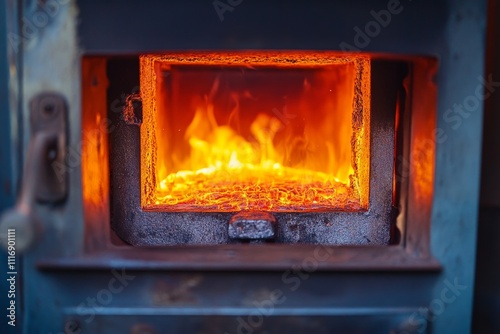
(7, 175)
(451, 30)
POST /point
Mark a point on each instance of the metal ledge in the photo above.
(248, 257)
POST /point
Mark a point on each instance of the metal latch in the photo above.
(41, 181)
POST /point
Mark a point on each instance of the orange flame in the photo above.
(212, 140)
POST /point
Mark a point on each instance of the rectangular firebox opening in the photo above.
(295, 147)
(250, 131)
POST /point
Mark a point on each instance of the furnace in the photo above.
(214, 167)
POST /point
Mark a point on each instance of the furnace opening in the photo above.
(283, 132)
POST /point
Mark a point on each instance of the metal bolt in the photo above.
(48, 109)
(52, 154)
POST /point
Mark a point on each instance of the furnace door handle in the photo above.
(40, 184)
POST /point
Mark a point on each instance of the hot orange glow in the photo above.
(255, 131)
(94, 181)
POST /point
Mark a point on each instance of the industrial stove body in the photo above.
(184, 171)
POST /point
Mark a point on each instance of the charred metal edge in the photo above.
(252, 225)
